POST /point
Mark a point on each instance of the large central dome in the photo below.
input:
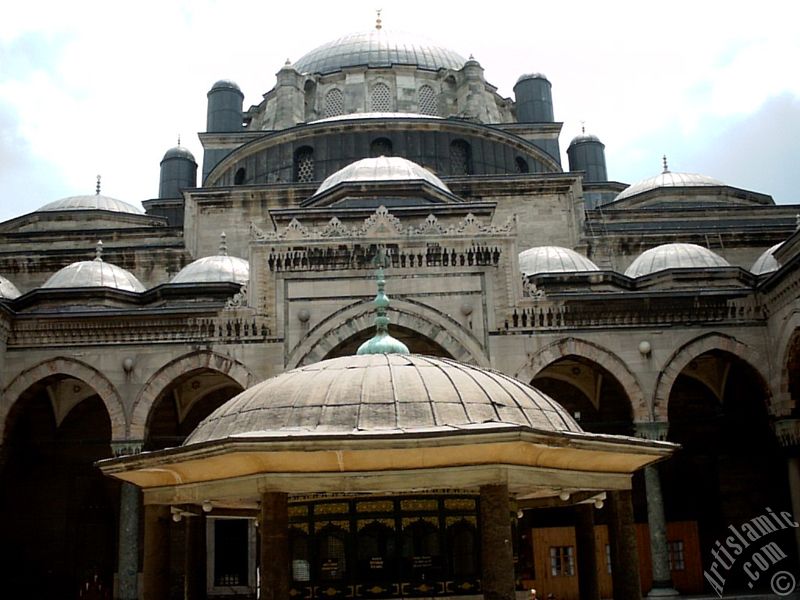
(378, 48)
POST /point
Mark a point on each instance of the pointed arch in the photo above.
(596, 353)
(691, 350)
(165, 376)
(72, 368)
(355, 318)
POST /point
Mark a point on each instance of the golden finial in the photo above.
(97, 188)
(664, 160)
(378, 22)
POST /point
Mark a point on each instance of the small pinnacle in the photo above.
(471, 56)
(98, 251)
(223, 244)
(97, 188)
(288, 63)
(378, 22)
(583, 126)
(179, 139)
(664, 159)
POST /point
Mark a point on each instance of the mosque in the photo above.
(578, 386)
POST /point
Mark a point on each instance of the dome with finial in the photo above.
(8, 291)
(378, 47)
(382, 342)
(553, 259)
(178, 152)
(96, 201)
(381, 168)
(668, 179)
(674, 256)
(94, 273)
(217, 268)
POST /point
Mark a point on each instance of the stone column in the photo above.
(624, 553)
(588, 586)
(657, 522)
(497, 554)
(128, 555)
(788, 433)
(156, 552)
(194, 583)
(274, 530)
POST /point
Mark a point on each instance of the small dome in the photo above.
(211, 269)
(94, 273)
(766, 263)
(378, 48)
(8, 291)
(382, 168)
(382, 392)
(91, 202)
(674, 256)
(553, 259)
(376, 115)
(525, 76)
(583, 138)
(225, 84)
(179, 152)
(668, 179)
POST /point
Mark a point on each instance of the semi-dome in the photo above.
(91, 202)
(211, 269)
(8, 291)
(382, 168)
(553, 259)
(668, 179)
(382, 392)
(674, 256)
(766, 263)
(94, 273)
(378, 48)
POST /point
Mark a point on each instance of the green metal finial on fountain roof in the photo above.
(382, 342)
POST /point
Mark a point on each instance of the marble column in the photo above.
(128, 552)
(274, 531)
(156, 552)
(497, 554)
(624, 553)
(194, 566)
(588, 586)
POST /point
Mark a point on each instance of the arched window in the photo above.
(421, 551)
(332, 554)
(376, 551)
(380, 147)
(304, 164)
(463, 557)
(334, 103)
(238, 178)
(381, 98)
(460, 158)
(522, 165)
(428, 104)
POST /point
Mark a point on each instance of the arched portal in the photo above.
(416, 342)
(57, 511)
(730, 467)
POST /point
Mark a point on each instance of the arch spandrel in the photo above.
(461, 344)
(169, 373)
(597, 354)
(681, 358)
(72, 368)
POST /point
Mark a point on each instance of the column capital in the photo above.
(652, 430)
(788, 433)
(126, 447)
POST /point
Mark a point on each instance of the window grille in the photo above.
(380, 147)
(304, 165)
(428, 104)
(334, 103)
(459, 158)
(381, 98)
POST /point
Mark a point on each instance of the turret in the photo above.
(534, 99)
(178, 172)
(224, 115)
(289, 98)
(587, 153)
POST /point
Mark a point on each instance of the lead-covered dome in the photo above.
(378, 48)
(91, 202)
(217, 268)
(94, 273)
(668, 179)
(8, 291)
(382, 392)
(382, 168)
(766, 263)
(553, 259)
(674, 256)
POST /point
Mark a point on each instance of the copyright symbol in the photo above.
(782, 583)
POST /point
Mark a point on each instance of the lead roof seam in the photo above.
(427, 391)
(488, 396)
(450, 379)
(556, 408)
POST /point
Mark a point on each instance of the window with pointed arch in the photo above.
(380, 147)
(462, 554)
(427, 100)
(332, 554)
(334, 103)
(304, 164)
(381, 98)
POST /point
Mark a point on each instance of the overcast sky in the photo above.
(106, 87)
